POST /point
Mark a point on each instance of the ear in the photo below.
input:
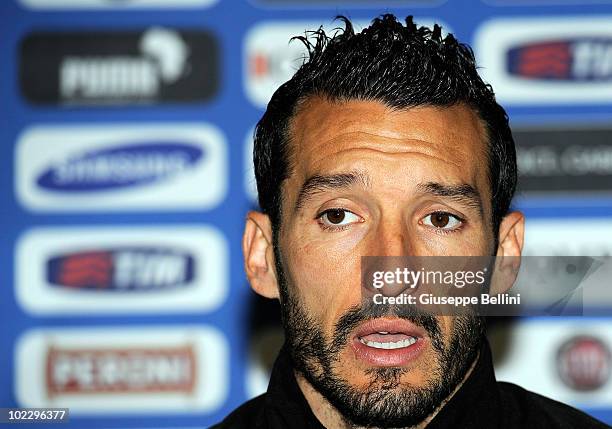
(509, 249)
(511, 235)
(259, 255)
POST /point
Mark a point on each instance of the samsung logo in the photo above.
(120, 167)
(127, 269)
(580, 59)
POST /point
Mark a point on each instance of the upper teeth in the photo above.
(389, 345)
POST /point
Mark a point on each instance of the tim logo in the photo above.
(584, 363)
(73, 371)
(121, 269)
(101, 68)
(120, 167)
(580, 59)
(547, 61)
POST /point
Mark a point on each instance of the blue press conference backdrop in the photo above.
(125, 138)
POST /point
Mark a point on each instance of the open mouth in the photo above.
(388, 342)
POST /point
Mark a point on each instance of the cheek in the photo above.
(327, 280)
(478, 243)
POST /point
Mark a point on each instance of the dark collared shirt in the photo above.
(482, 402)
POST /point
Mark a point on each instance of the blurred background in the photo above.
(125, 165)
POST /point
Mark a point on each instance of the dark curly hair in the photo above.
(401, 66)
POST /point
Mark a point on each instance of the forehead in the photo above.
(336, 136)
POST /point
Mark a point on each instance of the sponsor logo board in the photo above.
(111, 68)
(547, 61)
(110, 270)
(113, 167)
(270, 59)
(557, 352)
(544, 2)
(570, 160)
(115, 4)
(568, 237)
(336, 3)
(123, 370)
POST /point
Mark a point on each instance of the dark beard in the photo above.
(386, 402)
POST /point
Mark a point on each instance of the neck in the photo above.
(331, 418)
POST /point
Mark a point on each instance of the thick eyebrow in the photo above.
(463, 194)
(321, 183)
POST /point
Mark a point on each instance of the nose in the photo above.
(392, 238)
(388, 248)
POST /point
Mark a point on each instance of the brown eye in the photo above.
(440, 220)
(443, 220)
(335, 216)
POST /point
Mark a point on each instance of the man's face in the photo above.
(367, 180)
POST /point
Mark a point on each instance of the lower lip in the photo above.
(388, 357)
